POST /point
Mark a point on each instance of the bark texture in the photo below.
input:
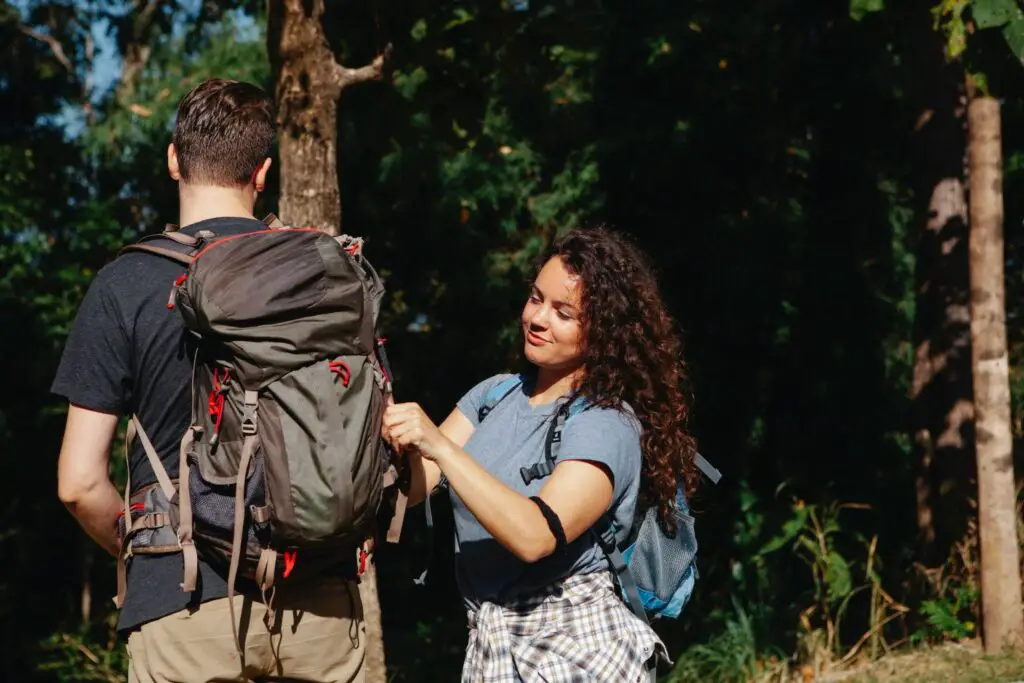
(1003, 620)
(308, 83)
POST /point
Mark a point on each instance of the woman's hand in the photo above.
(407, 426)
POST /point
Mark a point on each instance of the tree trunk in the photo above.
(940, 393)
(1003, 619)
(308, 83)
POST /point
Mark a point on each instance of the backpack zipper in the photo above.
(222, 240)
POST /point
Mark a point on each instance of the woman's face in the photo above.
(551, 319)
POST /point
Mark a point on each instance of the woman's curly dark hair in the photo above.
(632, 354)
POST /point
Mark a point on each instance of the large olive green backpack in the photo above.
(283, 468)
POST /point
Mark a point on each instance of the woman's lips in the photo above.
(534, 339)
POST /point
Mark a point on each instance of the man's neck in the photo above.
(202, 202)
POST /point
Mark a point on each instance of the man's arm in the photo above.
(83, 478)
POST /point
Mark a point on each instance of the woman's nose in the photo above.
(540, 317)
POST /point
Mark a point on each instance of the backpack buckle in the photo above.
(249, 414)
(607, 538)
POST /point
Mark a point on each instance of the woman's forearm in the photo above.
(424, 477)
(510, 517)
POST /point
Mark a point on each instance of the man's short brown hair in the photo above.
(224, 131)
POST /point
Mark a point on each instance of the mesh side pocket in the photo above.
(213, 505)
(659, 562)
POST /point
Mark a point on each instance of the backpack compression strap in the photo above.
(134, 430)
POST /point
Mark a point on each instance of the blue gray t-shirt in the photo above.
(512, 436)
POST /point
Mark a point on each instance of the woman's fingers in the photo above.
(398, 412)
(401, 429)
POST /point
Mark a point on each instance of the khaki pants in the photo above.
(319, 637)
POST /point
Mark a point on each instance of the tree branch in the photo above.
(136, 49)
(55, 47)
(379, 69)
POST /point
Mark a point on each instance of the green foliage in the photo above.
(74, 657)
(1013, 32)
(945, 617)
(861, 8)
(949, 17)
(992, 13)
(761, 153)
(731, 656)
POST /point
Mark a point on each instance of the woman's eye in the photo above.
(534, 299)
(564, 316)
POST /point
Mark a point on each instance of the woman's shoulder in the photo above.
(619, 418)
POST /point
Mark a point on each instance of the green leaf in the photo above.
(861, 8)
(789, 531)
(992, 13)
(419, 30)
(1014, 34)
(840, 579)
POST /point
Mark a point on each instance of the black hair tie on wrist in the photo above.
(553, 522)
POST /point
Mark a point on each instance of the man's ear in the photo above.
(172, 162)
(259, 178)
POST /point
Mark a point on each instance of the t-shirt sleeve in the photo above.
(608, 437)
(94, 370)
(470, 404)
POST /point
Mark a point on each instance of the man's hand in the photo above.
(83, 479)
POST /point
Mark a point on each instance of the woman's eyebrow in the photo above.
(557, 303)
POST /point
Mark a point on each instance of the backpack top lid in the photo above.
(279, 299)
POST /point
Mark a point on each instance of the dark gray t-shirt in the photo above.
(513, 435)
(127, 353)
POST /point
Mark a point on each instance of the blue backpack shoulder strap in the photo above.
(543, 469)
(707, 468)
(498, 393)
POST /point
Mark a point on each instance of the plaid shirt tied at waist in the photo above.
(574, 631)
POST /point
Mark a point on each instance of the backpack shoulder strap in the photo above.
(272, 221)
(553, 442)
(498, 393)
(171, 244)
(709, 470)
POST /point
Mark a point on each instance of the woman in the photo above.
(541, 599)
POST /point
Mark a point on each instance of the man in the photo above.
(129, 354)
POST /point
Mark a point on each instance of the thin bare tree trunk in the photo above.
(308, 83)
(1003, 618)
